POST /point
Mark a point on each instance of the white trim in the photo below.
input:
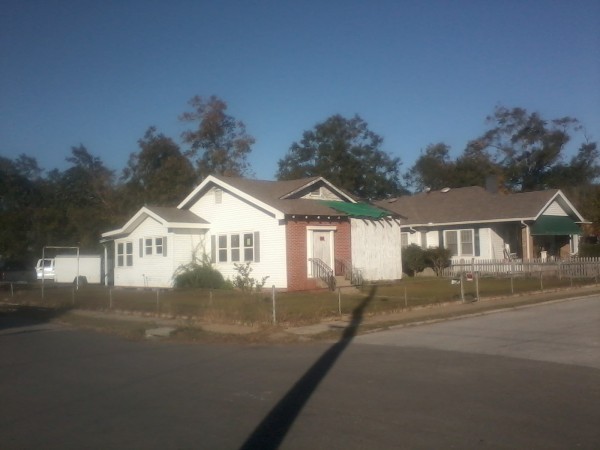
(566, 200)
(322, 228)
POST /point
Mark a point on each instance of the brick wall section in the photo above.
(297, 250)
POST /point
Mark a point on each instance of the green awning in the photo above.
(358, 209)
(554, 226)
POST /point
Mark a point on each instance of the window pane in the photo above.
(223, 255)
(466, 242)
(235, 254)
(451, 238)
(129, 248)
(148, 246)
(235, 240)
(159, 245)
(222, 241)
(249, 254)
(248, 240)
(120, 252)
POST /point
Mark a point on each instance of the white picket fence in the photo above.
(572, 267)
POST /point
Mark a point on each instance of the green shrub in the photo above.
(589, 250)
(244, 281)
(413, 259)
(196, 275)
(438, 258)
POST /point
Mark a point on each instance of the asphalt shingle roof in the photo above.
(175, 215)
(469, 204)
(273, 192)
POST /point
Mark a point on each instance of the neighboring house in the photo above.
(288, 230)
(479, 223)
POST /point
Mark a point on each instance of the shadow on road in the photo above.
(272, 430)
(12, 316)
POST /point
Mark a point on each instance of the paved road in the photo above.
(420, 387)
(565, 332)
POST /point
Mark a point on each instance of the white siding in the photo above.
(187, 246)
(234, 215)
(497, 246)
(376, 249)
(321, 193)
(146, 271)
(554, 210)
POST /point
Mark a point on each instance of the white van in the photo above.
(45, 269)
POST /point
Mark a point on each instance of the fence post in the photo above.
(340, 301)
(559, 265)
(476, 274)
(462, 288)
(273, 297)
(512, 284)
(541, 280)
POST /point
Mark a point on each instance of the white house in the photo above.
(294, 232)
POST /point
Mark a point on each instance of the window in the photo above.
(248, 247)
(124, 254)
(149, 246)
(153, 246)
(223, 248)
(459, 242)
(236, 247)
(129, 253)
(158, 245)
(451, 239)
(466, 242)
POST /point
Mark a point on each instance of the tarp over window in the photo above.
(358, 209)
(554, 226)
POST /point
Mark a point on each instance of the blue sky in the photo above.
(99, 73)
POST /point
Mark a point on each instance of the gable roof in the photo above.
(168, 217)
(279, 198)
(475, 204)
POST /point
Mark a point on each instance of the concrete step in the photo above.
(340, 281)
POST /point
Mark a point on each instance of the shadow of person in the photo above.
(272, 430)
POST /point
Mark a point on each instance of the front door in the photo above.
(322, 246)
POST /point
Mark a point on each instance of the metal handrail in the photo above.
(349, 272)
(323, 272)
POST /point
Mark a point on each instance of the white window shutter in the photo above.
(256, 246)
(213, 249)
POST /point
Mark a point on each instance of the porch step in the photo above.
(340, 281)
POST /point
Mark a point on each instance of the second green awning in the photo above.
(554, 226)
